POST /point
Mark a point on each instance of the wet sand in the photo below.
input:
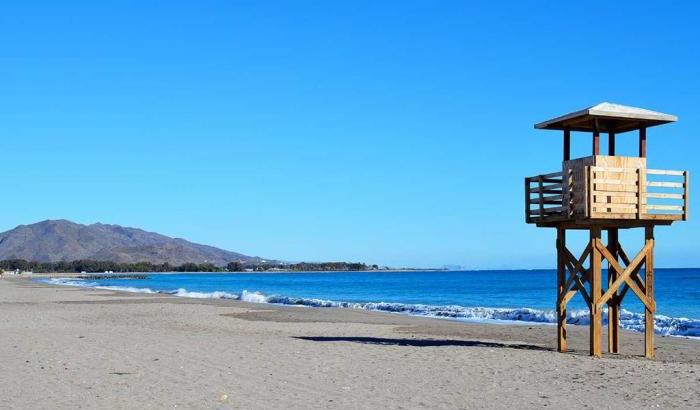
(66, 348)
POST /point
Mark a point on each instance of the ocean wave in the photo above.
(664, 325)
(94, 285)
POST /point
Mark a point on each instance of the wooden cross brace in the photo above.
(634, 275)
(628, 278)
(574, 283)
(628, 275)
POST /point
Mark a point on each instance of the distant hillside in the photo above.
(61, 240)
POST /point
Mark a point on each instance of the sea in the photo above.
(496, 296)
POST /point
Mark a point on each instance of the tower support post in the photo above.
(614, 302)
(561, 290)
(650, 307)
(595, 293)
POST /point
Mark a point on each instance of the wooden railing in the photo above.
(607, 193)
(667, 193)
(630, 193)
(544, 197)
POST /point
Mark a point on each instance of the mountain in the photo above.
(61, 240)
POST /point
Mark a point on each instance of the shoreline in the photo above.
(670, 326)
(169, 351)
(388, 314)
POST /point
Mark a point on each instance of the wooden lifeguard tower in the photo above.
(606, 193)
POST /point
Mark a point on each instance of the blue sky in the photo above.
(395, 133)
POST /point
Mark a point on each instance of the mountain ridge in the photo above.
(63, 240)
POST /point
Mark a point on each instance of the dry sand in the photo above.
(69, 348)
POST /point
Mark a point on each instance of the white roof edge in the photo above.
(607, 109)
(574, 114)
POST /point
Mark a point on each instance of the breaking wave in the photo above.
(664, 325)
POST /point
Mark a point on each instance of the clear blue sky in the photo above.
(395, 133)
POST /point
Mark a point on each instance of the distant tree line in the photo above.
(92, 266)
(315, 267)
(85, 265)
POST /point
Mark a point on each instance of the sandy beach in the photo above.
(67, 348)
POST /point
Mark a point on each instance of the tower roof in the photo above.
(607, 117)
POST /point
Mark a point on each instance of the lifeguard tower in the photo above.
(606, 193)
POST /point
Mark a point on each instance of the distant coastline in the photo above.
(92, 266)
(79, 274)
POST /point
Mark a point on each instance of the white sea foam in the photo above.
(664, 325)
(203, 295)
(253, 297)
(126, 289)
(94, 285)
